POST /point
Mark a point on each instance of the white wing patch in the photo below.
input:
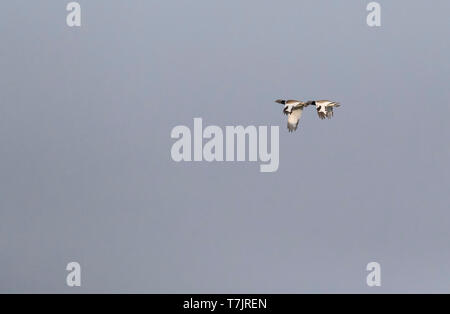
(293, 119)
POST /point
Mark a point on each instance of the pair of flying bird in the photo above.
(294, 109)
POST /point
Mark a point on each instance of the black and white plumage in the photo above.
(325, 108)
(294, 109)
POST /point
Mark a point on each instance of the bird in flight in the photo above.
(294, 109)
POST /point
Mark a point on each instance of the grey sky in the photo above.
(86, 173)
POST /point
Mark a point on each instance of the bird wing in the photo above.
(293, 102)
(293, 119)
(325, 108)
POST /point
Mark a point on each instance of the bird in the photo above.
(324, 107)
(294, 109)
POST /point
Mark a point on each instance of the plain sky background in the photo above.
(86, 173)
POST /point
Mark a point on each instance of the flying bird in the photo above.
(294, 109)
(324, 108)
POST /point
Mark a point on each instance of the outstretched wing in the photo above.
(293, 119)
(325, 108)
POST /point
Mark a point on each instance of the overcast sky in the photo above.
(86, 173)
